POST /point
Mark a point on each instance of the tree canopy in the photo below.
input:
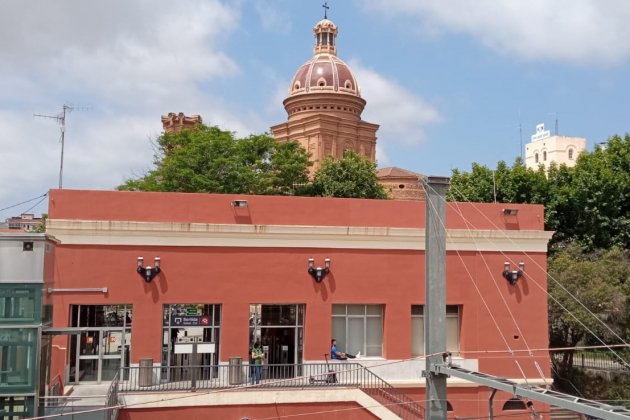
(352, 177)
(211, 160)
(588, 203)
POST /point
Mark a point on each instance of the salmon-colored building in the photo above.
(235, 269)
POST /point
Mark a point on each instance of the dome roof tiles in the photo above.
(324, 73)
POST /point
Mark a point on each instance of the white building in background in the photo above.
(545, 148)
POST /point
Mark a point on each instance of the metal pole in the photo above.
(491, 405)
(435, 292)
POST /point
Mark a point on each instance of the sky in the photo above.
(450, 82)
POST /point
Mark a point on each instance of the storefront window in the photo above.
(191, 325)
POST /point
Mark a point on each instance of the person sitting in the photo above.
(339, 355)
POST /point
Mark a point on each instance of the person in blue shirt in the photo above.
(339, 355)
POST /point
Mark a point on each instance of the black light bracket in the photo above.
(148, 272)
(318, 273)
(512, 276)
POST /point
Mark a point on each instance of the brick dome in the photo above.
(325, 72)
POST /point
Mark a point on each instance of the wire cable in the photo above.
(24, 202)
(561, 286)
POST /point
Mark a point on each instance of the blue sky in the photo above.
(448, 81)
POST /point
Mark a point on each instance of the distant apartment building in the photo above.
(26, 222)
(545, 148)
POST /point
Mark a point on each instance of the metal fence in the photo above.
(245, 377)
(597, 360)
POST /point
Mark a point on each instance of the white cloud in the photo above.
(576, 31)
(402, 115)
(131, 61)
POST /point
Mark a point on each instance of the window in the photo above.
(570, 154)
(186, 324)
(545, 156)
(417, 329)
(358, 328)
(536, 157)
(20, 303)
(18, 349)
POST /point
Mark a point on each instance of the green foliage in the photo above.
(41, 227)
(588, 298)
(588, 204)
(352, 177)
(208, 159)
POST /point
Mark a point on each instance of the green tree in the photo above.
(41, 227)
(352, 176)
(591, 203)
(588, 297)
(515, 184)
(588, 204)
(211, 160)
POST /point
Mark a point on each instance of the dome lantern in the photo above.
(325, 37)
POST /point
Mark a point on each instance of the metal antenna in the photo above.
(61, 119)
(555, 114)
(520, 136)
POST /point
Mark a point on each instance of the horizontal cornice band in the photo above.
(105, 232)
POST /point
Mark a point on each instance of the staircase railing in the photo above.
(307, 375)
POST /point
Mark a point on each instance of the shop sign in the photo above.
(189, 321)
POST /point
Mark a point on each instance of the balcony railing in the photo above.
(311, 375)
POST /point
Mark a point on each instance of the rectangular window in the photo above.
(358, 328)
(20, 303)
(417, 329)
(186, 324)
(18, 348)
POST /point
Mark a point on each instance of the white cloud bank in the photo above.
(131, 61)
(586, 32)
(402, 115)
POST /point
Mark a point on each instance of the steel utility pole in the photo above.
(61, 119)
(435, 294)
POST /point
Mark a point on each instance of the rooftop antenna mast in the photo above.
(555, 114)
(61, 119)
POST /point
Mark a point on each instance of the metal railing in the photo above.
(595, 360)
(245, 377)
(112, 399)
(71, 407)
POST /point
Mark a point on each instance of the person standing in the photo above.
(257, 357)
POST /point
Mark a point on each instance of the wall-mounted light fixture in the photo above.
(512, 276)
(239, 204)
(318, 273)
(148, 273)
(510, 212)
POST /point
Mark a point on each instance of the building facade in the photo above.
(25, 260)
(545, 149)
(235, 269)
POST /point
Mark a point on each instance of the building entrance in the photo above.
(280, 331)
(100, 342)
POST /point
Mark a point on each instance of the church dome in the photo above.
(325, 72)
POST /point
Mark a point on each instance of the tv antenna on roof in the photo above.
(61, 119)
